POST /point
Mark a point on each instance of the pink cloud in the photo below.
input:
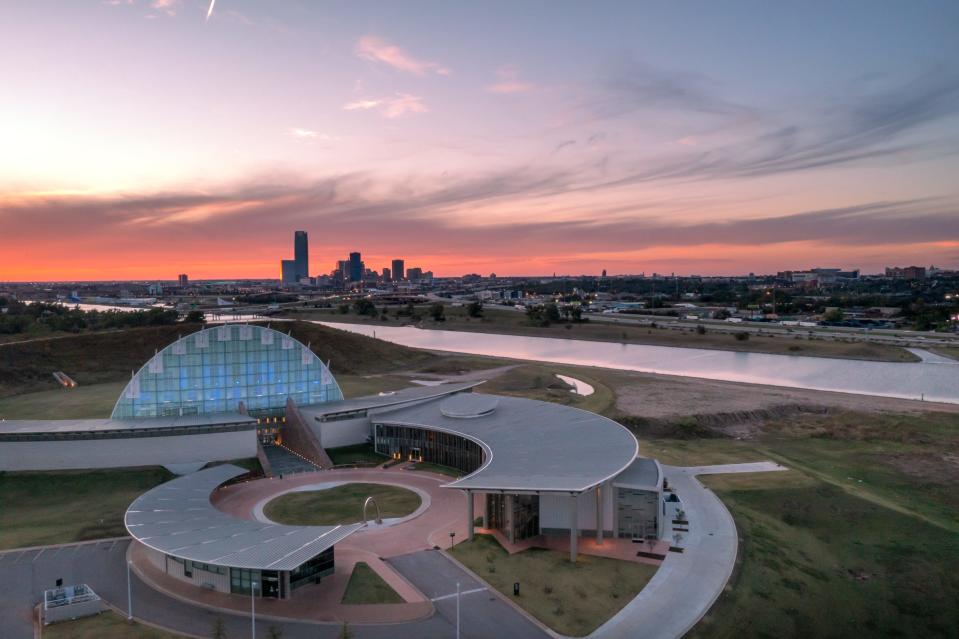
(374, 49)
(395, 107)
(509, 82)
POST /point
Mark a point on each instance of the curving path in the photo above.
(687, 584)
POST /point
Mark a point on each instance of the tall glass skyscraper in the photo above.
(301, 254)
(399, 272)
(356, 267)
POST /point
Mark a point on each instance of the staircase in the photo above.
(283, 461)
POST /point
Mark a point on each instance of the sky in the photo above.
(140, 139)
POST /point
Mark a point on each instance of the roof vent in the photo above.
(469, 405)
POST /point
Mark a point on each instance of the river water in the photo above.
(934, 379)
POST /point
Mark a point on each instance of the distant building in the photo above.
(301, 254)
(184, 280)
(399, 272)
(906, 273)
(155, 289)
(292, 271)
(288, 272)
(387, 274)
(356, 267)
(414, 274)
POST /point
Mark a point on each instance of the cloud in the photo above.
(509, 82)
(362, 104)
(308, 135)
(169, 7)
(879, 126)
(394, 107)
(562, 145)
(374, 49)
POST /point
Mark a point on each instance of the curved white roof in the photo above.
(178, 519)
(530, 445)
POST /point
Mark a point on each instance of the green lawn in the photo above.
(59, 507)
(83, 402)
(367, 587)
(570, 599)
(436, 468)
(340, 504)
(106, 625)
(359, 453)
(818, 561)
(539, 381)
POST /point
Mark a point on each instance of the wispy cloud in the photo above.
(169, 7)
(393, 107)
(308, 135)
(562, 145)
(509, 81)
(376, 50)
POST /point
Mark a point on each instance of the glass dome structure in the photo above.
(213, 370)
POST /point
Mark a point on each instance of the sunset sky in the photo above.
(139, 139)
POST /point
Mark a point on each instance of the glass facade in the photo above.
(524, 516)
(313, 570)
(215, 369)
(425, 445)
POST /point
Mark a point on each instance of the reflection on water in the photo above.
(933, 381)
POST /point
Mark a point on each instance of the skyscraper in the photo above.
(356, 267)
(398, 270)
(301, 254)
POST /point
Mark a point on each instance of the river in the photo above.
(933, 379)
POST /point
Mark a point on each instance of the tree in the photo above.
(475, 309)
(832, 315)
(741, 336)
(274, 633)
(195, 317)
(219, 629)
(700, 329)
(552, 312)
(343, 309)
(364, 306)
(438, 312)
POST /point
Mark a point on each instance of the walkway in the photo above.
(686, 585)
(283, 461)
(483, 613)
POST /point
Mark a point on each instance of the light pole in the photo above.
(129, 595)
(457, 610)
(253, 609)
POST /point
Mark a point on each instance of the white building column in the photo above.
(599, 515)
(573, 528)
(510, 530)
(470, 515)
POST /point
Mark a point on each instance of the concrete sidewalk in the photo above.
(687, 584)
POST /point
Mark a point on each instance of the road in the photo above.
(483, 614)
(25, 574)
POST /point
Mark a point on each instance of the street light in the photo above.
(457, 610)
(452, 534)
(253, 610)
(129, 595)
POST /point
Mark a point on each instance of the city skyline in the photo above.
(146, 139)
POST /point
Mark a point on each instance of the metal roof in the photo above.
(643, 474)
(383, 400)
(530, 445)
(23, 426)
(178, 519)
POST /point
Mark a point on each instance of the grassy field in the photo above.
(502, 321)
(340, 504)
(359, 453)
(96, 358)
(49, 508)
(367, 587)
(820, 562)
(436, 468)
(571, 599)
(82, 402)
(106, 625)
(539, 381)
(946, 351)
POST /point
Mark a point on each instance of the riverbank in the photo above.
(506, 322)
